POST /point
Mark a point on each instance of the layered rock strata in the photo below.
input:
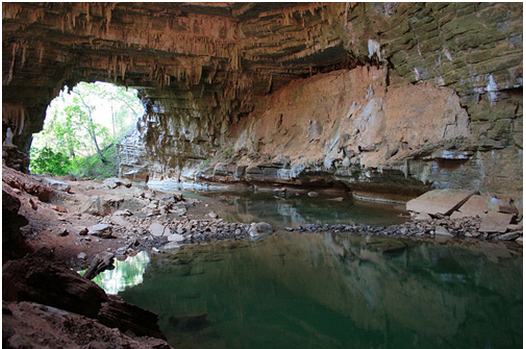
(378, 97)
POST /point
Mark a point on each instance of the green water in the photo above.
(292, 210)
(334, 291)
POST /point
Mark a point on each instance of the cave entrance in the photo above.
(82, 127)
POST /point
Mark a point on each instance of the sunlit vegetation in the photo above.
(81, 130)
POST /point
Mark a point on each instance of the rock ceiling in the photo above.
(216, 61)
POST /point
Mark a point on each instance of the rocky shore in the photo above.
(82, 223)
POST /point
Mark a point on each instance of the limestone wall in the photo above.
(400, 97)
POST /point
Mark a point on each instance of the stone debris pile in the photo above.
(459, 212)
(446, 214)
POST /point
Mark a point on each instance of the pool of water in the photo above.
(334, 291)
(295, 209)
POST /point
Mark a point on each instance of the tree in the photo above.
(78, 122)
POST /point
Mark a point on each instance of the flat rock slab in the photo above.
(157, 229)
(439, 201)
(175, 238)
(101, 230)
(122, 222)
(476, 206)
(96, 206)
(58, 185)
(495, 222)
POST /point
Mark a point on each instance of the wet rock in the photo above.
(190, 323)
(100, 262)
(260, 228)
(172, 246)
(313, 194)
(82, 255)
(57, 185)
(338, 199)
(509, 236)
(495, 222)
(96, 206)
(117, 313)
(439, 201)
(101, 230)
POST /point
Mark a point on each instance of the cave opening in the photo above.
(82, 128)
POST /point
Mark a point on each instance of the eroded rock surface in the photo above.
(425, 94)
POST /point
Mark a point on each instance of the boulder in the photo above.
(157, 229)
(11, 220)
(509, 236)
(260, 228)
(112, 183)
(439, 201)
(57, 185)
(100, 262)
(124, 316)
(101, 230)
(33, 325)
(37, 279)
(495, 222)
(96, 206)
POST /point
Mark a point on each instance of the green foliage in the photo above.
(83, 125)
(93, 167)
(228, 154)
(46, 161)
(204, 164)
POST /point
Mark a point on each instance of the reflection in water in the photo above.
(292, 210)
(334, 291)
(128, 272)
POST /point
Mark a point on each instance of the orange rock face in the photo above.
(379, 96)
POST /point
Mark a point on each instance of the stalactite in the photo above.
(24, 46)
(12, 66)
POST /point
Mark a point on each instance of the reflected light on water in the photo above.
(127, 273)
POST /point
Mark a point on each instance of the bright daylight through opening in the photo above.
(81, 130)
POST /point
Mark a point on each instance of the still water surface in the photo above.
(333, 291)
(293, 210)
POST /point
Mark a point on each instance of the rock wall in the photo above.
(381, 97)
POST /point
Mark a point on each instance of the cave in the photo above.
(383, 102)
